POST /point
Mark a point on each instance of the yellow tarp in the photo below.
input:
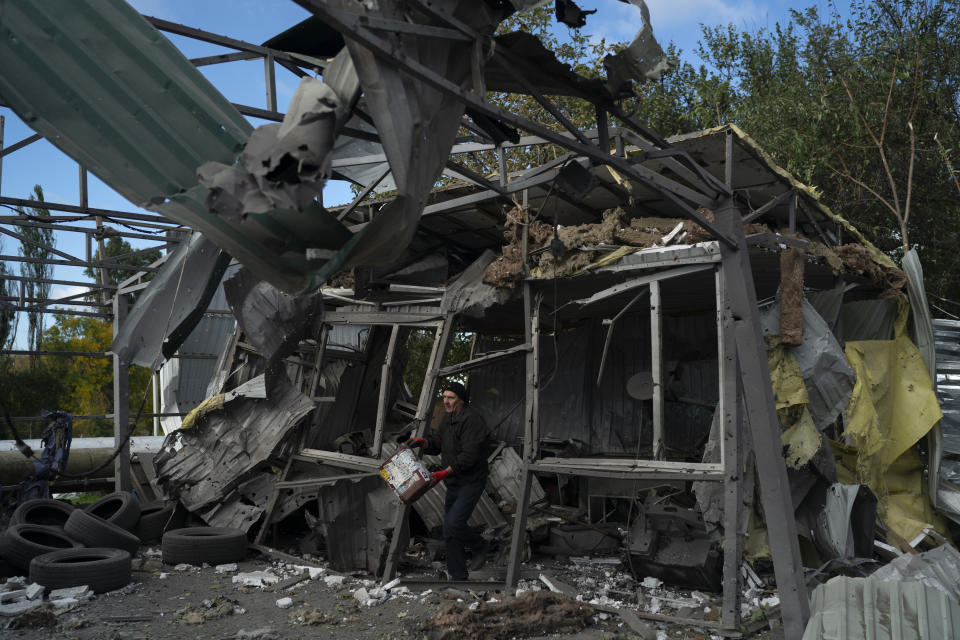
(798, 432)
(893, 405)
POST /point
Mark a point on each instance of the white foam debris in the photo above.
(651, 583)
(226, 568)
(332, 581)
(257, 579)
(285, 603)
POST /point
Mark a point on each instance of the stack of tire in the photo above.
(62, 546)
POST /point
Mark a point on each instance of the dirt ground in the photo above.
(211, 604)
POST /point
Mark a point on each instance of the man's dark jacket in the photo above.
(463, 445)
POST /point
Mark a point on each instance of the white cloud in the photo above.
(676, 20)
(64, 291)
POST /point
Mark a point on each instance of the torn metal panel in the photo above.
(285, 166)
(356, 518)
(827, 375)
(416, 123)
(273, 321)
(643, 60)
(243, 507)
(938, 568)
(506, 478)
(468, 294)
(172, 304)
(203, 465)
(847, 522)
(868, 609)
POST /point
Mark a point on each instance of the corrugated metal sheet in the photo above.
(947, 340)
(868, 320)
(868, 609)
(100, 83)
(606, 419)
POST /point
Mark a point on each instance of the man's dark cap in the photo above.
(458, 389)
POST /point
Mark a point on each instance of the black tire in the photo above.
(21, 543)
(196, 545)
(45, 511)
(94, 531)
(155, 518)
(99, 568)
(120, 508)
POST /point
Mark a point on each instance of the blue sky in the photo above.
(255, 21)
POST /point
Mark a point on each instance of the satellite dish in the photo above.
(640, 386)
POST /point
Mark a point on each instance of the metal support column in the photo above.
(121, 403)
(155, 380)
(531, 434)
(761, 415)
(656, 365)
(270, 80)
(731, 455)
(2, 121)
(441, 344)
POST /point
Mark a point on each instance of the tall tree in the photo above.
(35, 247)
(88, 381)
(866, 108)
(8, 317)
(117, 248)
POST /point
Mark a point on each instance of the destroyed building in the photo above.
(685, 357)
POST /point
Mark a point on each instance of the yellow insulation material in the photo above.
(213, 403)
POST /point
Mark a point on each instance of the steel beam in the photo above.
(4, 151)
(764, 427)
(731, 456)
(656, 368)
(349, 23)
(121, 405)
(86, 211)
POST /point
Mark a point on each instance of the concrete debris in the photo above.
(18, 607)
(80, 593)
(333, 581)
(258, 579)
(226, 568)
(284, 603)
(13, 596)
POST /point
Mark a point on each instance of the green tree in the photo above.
(864, 108)
(35, 247)
(87, 382)
(117, 247)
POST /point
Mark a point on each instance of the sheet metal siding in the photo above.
(605, 419)
(116, 83)
(868, 609)
(947, 340)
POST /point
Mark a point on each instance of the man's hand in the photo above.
(437, 476)
(413, 443)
